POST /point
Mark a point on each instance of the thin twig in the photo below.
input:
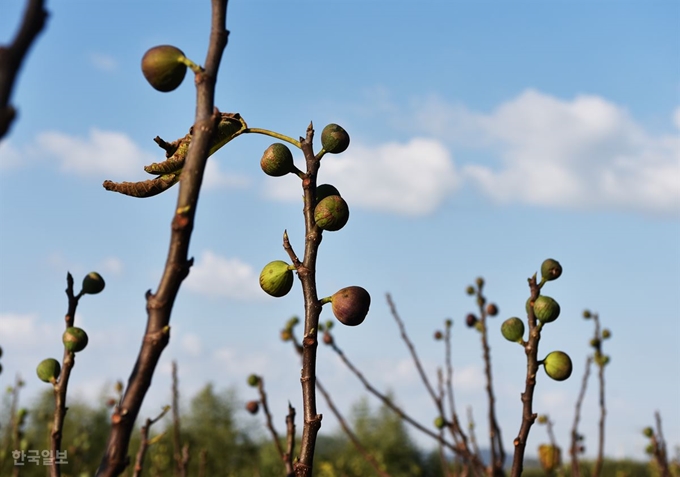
(285, 457)
(144, 445)
(659, 443)
(159, 304)
(13, 55)
(575, 447)
(603, 410)
(180, 463)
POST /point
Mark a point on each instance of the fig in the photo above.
(439, 422)
(93, 283)
(324, 190)
(48, 370)
(276, 278)
(550, 457)
(327, 339)
(253, 380)
(587, 314)
(438, 335)
(606, 334)
(648, 432)
(350, 305)
(252, 407)
(334, 139)
(542, 419)
(163, 67)
(75, 339)
(470, 320)
(550, 270)
(557, 365)
(491, 309)
(546, 309)
(512, 329)
(480, 282)
(277, 160)
(331, 213)
(470, 290)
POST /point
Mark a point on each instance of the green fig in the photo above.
(550, 269)
(587, 314)
(324, 190)
(93, 283)
(546, 309)
(75, 339)
(606, 334)
(648, 432)
(334, 139)
(253, 380)
(512, 329)
(350, 305)
(558, 365)
(277, 160)
(439, 422)
(163, 67)
(470, 290)
(276, 278)
(331, 213)
(48, 370)
(550, 457)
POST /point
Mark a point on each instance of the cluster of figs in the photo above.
(75, 339)
(350, 305)
(557, 364)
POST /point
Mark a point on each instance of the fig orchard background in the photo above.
(485, 138)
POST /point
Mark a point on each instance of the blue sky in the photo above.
(486, 137)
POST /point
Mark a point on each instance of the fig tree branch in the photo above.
(159, 304)
(12, 56)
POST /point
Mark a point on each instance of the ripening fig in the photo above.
(334, 139)
(277, 160)
(93, 283)
(74, 339)
(512, 329)
(550, 270)
(327, 339)
(557, 365)
(331, 213)
(438, 335)
(252, 407)
(491, 309)
(546, 309)
(324, 190)
(163, 67)
(350, 305)
(470, 320)
(48, 370)
(277, 278)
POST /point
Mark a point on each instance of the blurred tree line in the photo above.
(223, 441)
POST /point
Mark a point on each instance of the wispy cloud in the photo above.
(103, 62)
(109, 153)
(214, 178)
(410, 178)
(217, 276)
(581, 153)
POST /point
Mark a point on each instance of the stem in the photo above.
(603, 411)
(159, 305)
(528, 416)
(574, 449)
(307, 274)
(274, 134)
(13, 55)
(497, 452)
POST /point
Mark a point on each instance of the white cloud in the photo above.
(218, 276)
(24, 331)
(103, 62)
(468, 378)
(10, 156)
(191, 343)
(411, 179)
(214, 178)
(582, 153)
(107, 153)
(112, 265)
